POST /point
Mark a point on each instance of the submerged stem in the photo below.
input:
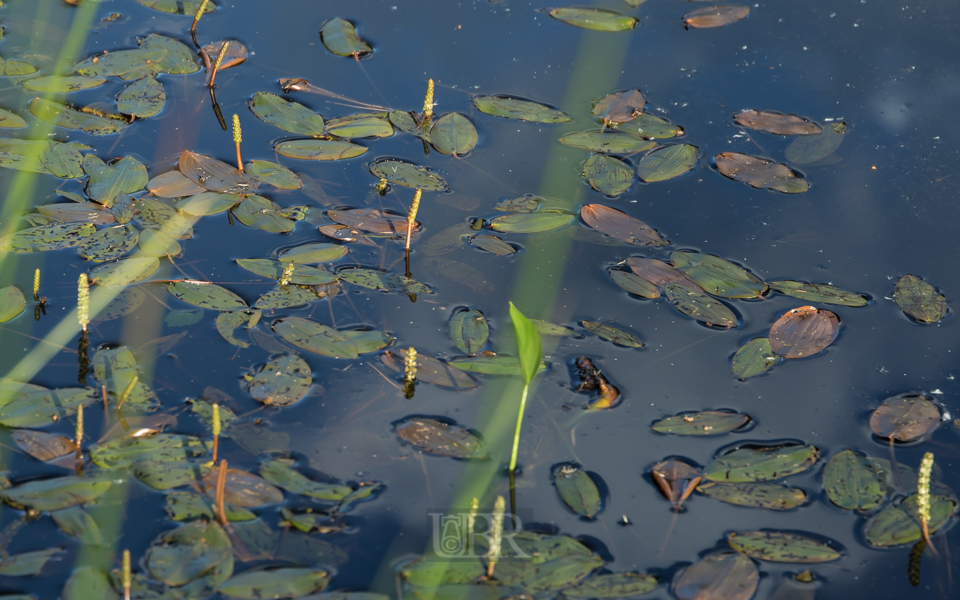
(516, 433)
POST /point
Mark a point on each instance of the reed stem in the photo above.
(221, 487)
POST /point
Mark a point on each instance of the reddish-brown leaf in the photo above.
(760, 173)
(372, 220)
(774, 122)
(620, 225)
(905, 417)
(656, 271)
(676, 480)
(215, 175)
(803, 332)
(236, 53)
(715, 16)
(620, 107)
(173, 184)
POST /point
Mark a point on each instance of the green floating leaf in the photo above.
(215, 175)
(368, 341)
(536, 222)
(516, 108)
(707, 422)
(577, 490)
(561, 561)
(493, 244)
(717, 276)
(286, 296)
(608, 142)
(920, 300)
(778, 546)
(282, 381)
(362, 125)
(755, 495)
(124, 452)
(315, 337)
(206, 295)
(613, 334)
(156, 243)
(60, 115)
(128, 175)
(208, 203)
(309, 254)
(724, 575)
(27, 564)
(16, 68)
(261, 213)
(428, 571)
(125, 271)
(618, 224)
(900, 523)
(693, 302)
(229, 322)
(319, 149)
(469, 330)
(123, 304)
(854, 482)
(454, 134)
(818, 292)
(761, 463)
(109, 243)
(608, 175)
(186, 506)
(408, 175)
(756, 357)
(634, 284)
(187, 553)
(183, 318)
(384, 282)
(437, 437)
(281, 472)
(47, 237)
(42, 407)
(652, 127)
(613, 585)
(78, 524)
(180, 59)
(57, 493)
(275, 583)
(619, 107)
(120, 63)
(340, 37)
(89, 582)
(78, 212)
(11, 120)
(116, 369)
(178, 7)
(491, 365)
(274, 174)
(274, 269)
(12, 303)
(143, 99)
(153, 214)
(594, 18)
(810, 149)
(667, 162)
(62, 84)
(286, 114)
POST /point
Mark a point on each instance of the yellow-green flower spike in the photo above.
(216, 420)
(410, 365)
(923, 488)
(196, 17)
(127, 574)
(83, 301)
(287, 274)
(126, 393)
(78, 434)
(428, 103)
(36, 285)
(471, 523)
(220, 56)
(236, 130)
(496, 534)
(414, 207)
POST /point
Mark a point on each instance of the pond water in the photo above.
(879, 207)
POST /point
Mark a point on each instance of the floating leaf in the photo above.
(469, 330)
(761, 463)
(313, 253)
(157, 243)
(756, 357)
(286, 296)
(905, 418)
(153, 214)
(755, 495)
(493, 244)
(453, 134)
(208, 203)
(275, 583)
(319, 149)
(11, 120)
(613, 334)
(119, 63)
(854, 482)
(717, 276)
(186, 506)
(523, 204)
(215, 175)
(577, 490)
(236, 53)
(183, 318)
(676, 479)
(368, 341)
(75, 212)
(16, 68)
(384, 282)
(286, 114)
(60, 115)
(189, 552)
(173, 184)
(281, 472)
(178, 7)
(619, 225)
(708, 422)
(128, 175)
(774, 122)
(274, 174)
(56, 493)
(634, 284)
(667, 162)
(721, 576)
(440, 438)
(340, 37)
(229, 322)
(408, 175)
(110, 243)
(652, 127)
(692, 302)
(123, 304)
(803, 332)
(619, 107)
(362, 125)
(561, 562)
(43, 446)
(372, 220)
(47, 237)
(282, 381)
(613, 585)
(811, 149)
(431, 370)
(315, 337)
(206, 295)
(818, 292)
(261, 213)
(78, 524)
(760, 173)
(919, 299)
(27, 564)
(125, 271)
(537, 222)
(124, 452)
(656, 271)
(491, 365)
(58, 84)
(899, 523)
(778, 546)
(609, 142)
(608, 175)
(516, 108)
(302, 274)
(12, 303)
(243, 489)
(594, 18)
(180, 59)
(144, 98)
(116, 369)
(87, 582)
(716, 16)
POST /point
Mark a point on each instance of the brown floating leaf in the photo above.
(43, 446)
(591, 379)
(715, 16)
(676, 480)
(656, 271)
(721, 576)
(774, 122)
(173, 184)
(760, 173)
(431, 370)
(620, 225)
(372, 220)
(804, 331)
(440, 437)
(215, 175)
(242, 489)
(620, 107)
(905, 418)
(236, 53)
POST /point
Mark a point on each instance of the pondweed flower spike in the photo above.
(496, 534)
(428, 105)
(923, 497)
(218, 62)
(382, 186)
(216, 430)
(126, 393)
(196, 17)
(409, 372)
(221, 486)
(83, 301)
(127, 575)
(237, 138)
(78, 436)
(412, 216)
(287, 274)
(36, 285)
(471, 524)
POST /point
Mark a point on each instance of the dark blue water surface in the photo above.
(883, 207)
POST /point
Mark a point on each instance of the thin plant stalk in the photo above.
(516, 431)
(218, 62)
(221, 487)
(237, 138)
(126, 393)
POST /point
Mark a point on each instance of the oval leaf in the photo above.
(454, 134)
(340, 37)
(725, 575)
(758, 464)
(315, 337)
(760, 173)
(537, 222)
(905, 418)
(774, 122)
(756, 357)
(282, 381)
(516, 108)
(778, 546)
(206, 295)
(919, 299)
(286, 114)
(594, 18)
(854, 482)
(708, 422)
(577, 490)
(408, 175)
(440, 438)
(803, 332)
(667, 162)
(608, 175)
(620, 225)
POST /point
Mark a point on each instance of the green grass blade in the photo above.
(529, 349)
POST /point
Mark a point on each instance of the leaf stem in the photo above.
(516, 433)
